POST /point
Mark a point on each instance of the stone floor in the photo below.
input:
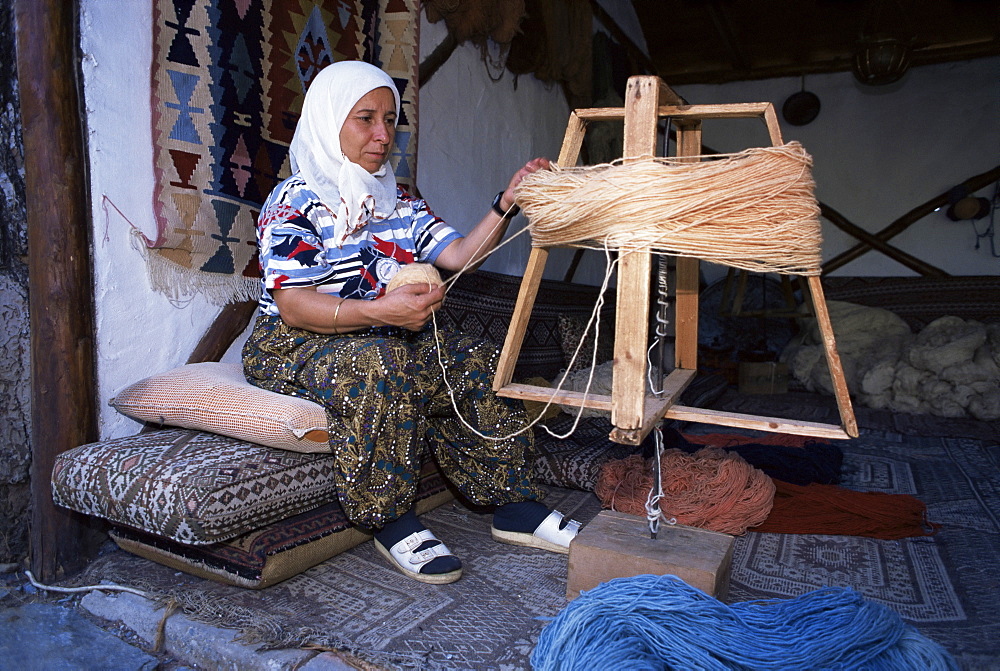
(106, 630)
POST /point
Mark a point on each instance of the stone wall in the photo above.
(15, 417)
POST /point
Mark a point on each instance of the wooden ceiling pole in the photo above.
(63, 405)
(970, 185)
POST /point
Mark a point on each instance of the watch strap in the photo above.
(498, 208)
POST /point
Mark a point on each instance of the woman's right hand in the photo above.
(409, 306)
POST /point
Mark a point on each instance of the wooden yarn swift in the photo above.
(633, 413)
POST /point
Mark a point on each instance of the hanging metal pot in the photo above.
(801, 108)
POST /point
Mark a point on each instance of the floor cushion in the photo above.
(217, 398)
(190, 486)
(276, 552)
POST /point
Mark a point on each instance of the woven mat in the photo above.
(946, 585)
(228, 80)
(489, 619)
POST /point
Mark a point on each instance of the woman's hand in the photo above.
(410, 306)
(534, 165)
(468, 252)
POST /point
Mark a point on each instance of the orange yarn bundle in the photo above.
(711, 489)
(829, 509)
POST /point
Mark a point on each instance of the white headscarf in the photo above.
(354, 194)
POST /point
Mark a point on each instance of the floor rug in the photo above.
(490, 619)
(946, 585)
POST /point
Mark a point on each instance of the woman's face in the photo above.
(367, 134)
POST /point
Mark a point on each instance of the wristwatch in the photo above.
(514, 209)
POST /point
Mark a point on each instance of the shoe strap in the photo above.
(405, 551)
(414, 540)
(549, 529)
(418, 559)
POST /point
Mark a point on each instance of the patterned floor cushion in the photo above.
(190, 486)
(276, 552)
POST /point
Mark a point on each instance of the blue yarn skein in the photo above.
(659, 622)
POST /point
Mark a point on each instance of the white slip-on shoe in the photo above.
(546, 536)
(405, 557)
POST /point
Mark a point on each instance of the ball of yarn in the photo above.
(415, 273)
(659, 622)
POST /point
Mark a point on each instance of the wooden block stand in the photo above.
(616, 545)
(633, 413)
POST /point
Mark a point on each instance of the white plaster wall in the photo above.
(474, 134)
(139, 332)
(881, 151)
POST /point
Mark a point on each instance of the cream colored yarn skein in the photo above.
(415, 273)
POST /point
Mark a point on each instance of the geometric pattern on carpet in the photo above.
(355, 602)
(908, 577)
(946, 585)
(228, 80)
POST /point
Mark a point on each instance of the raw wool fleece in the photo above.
(581, 380)
(950, 369)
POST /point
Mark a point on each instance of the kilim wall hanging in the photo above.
(228, 80)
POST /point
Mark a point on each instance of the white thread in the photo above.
(653, 513)
(88, 588)
(611, 263)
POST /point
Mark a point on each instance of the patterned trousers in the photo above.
(386, 402)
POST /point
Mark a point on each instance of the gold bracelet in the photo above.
(336, 313)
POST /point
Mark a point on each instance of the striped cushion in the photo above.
(215, 397)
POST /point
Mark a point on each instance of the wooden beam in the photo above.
(223, 332)
(63, 395)
(655, 407)
(628, 383)
(919, 212)
(843, 396)
(874, 242)
(743, 421)
(688, 141)
(530, 281)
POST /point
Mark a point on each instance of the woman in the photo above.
(331, 237)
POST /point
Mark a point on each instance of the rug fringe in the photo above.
(180, 284)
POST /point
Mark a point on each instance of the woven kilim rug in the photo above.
(946, 585)
(228, 80)
(489, 619)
